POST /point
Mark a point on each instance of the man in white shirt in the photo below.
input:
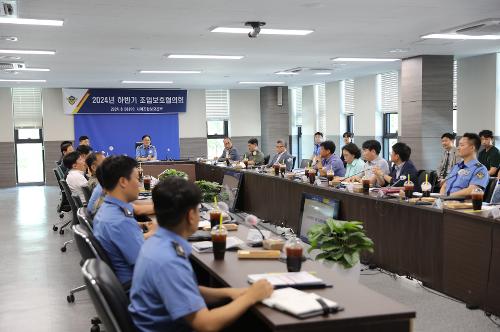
(374, 163)
(76, 179)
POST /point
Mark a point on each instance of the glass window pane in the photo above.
(28, 133)
(215, 147)
(392, 141)
(215, 128)
(393, 123)
(29, 162)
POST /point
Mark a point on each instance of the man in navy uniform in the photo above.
(468, 174)
(165, 295)
(114, 225)
(146, 151)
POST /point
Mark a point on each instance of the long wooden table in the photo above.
(365, 310)
(450, 251)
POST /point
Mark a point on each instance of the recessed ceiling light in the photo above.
(169, 71)
(286, 32)
(459, 36)
(27, 52)
(259, 83)
(23, 81)
(205, 56)
(10, 57)
(147, 82)
(286, 73)
(399, 50)
(322, 73)
(363, 60)
(29, 69)
(9, 38)
(31, 21)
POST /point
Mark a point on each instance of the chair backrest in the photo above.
(266, 159)
(488, 191)
(83, 218)
(432, 177)
(87, 193)
(294, 160)
(107, 294)
(68, 195)
(88, 245)
(304, 163)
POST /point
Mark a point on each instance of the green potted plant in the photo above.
(209, 190)
(340, 244)
(172, 172)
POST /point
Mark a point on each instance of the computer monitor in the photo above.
(231, 187)
(316, 209)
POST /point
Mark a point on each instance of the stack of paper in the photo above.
(206, 246)
(289, 279)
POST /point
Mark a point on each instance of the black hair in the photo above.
(92, 158)
(450, 136)
(173, 198)
(486, 133)
(65, 145)
(113, 168)
(372, 145)
(348, 134)
(283, 142)
(144, 136)
(474, 138)
(402, 150)
(253, 141)
(228, 138)
(84, 149)
(328, 145)
(353, 149)
(318, 133)
(83, 138)
(70, 159)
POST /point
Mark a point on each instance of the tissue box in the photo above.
(273, 244)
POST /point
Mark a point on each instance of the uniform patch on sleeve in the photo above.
(480, 175)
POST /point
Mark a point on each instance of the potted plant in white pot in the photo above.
(340, 244)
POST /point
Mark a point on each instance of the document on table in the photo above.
(290, 279)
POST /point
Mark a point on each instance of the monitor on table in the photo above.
(316, 209)
(230, 188)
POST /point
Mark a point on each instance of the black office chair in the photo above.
(431, 177)
(109, 298)
(266, 159)
(87, 193)
(490, 188)
(304, 163)
(77, 204)
(294, 160)
(84, 218)
(63, 205)
(73, 208)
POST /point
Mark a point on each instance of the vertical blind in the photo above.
(390, 92)
(217, 104)
(27, 105)
(455, 80)
(321, 116)
(297, 103)
(349, 96)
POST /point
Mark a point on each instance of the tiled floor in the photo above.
(35, 276)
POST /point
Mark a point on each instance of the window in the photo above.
(217, 110)
(349, 125)
(348, 104)
(297, 106)
(28, 137)
(391, 122)
(455, 94)
(319, 94)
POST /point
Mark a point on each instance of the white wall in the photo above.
(193, 122)
(367, 115)
(6, 116)
(57, 126)
(478, 91)
(244, 112)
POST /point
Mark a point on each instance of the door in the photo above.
(30, 168)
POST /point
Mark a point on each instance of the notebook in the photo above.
(300, 304)
(232, 243)
(289, 279)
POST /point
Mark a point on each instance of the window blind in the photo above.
(297, 103)
(349, 96)
(27, 105)
(390, 92)
(321, 102)
(217, 104)
(455, 81)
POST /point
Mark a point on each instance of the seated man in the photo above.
(114, 225)
(66, 147)
(165, 295)
(76, 176)
(489, 156)
(229, 152)
(281, 156)
(255, 156)
(468, 174)
(93, 161)
(329, 161)
(373, 162)
(84, 140)
(146, 151)
(402, 166)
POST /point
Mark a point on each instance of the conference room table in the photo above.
(450, 251)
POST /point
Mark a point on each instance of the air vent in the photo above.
(12, 66)
(8, 8)
(485, 27)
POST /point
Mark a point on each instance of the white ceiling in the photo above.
(104, 42)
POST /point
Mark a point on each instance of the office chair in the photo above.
(87, 193)
(84, 218)
(108, 296)
(294, 160)
(432, 178)
(67, 193)
(304, 163)
(77, 203)
(63, 206)
(490, 188)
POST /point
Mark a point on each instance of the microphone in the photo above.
(253, 221)
(401, 178)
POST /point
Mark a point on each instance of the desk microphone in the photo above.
(253, 221)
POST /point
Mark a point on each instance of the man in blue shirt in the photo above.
(146, 151)
(165, 295)
(329, 161)
(469, 174)
(318, 138)
(114, 225)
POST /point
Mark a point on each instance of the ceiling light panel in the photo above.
(205, 56)
(31, 21)
(284, 32)
(35, 52)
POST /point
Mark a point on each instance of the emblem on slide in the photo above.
(71, 100)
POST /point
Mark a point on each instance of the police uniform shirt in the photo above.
(144, 152)
(164, 287)
(120, 236)
(97, 194)
(465, 174)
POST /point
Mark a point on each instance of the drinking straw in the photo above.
(220, 223)
(426, 177)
